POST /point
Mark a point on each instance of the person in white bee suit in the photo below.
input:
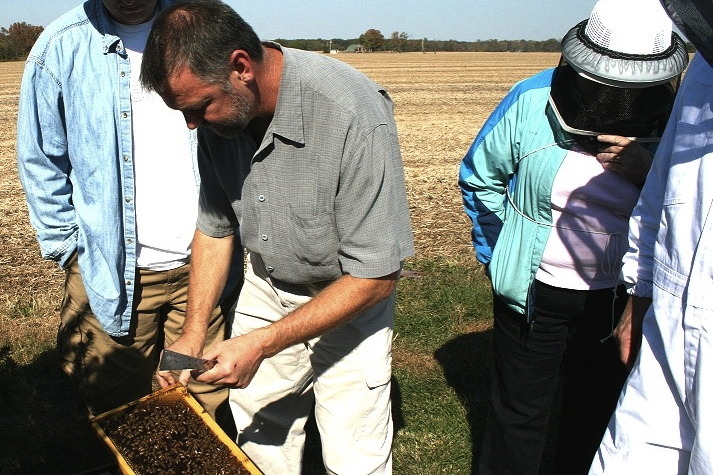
(663, 422)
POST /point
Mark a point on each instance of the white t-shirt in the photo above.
(590, 221)
(166, 182)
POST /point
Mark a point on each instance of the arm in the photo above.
(638, 263)
(628, 330)
(484, 174)
(239, 358)
(210, 263)
(44, 165)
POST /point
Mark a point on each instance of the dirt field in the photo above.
(441, 101)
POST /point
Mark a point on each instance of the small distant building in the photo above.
(355, 48)
(333, 51)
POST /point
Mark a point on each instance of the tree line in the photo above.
(401, 43)
(17, 40)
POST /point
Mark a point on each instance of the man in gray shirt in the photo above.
(301, 150)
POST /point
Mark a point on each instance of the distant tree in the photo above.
(17, 40)
(398, 41)
(3, 43)
(24, 35)
(372, 40)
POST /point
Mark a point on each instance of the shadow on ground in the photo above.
(466, 361)
(43, 427)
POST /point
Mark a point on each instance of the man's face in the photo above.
(131, 12)
(223, 108)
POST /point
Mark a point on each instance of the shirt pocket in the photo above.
(314, 239)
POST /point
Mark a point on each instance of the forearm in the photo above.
(337, 304)
(628, 330)
(210, 263)
(484, 173)
(44, 168)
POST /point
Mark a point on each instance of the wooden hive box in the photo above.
(168, 431)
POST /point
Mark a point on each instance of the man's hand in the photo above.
(187, 346)
(238, 360)
(625, 157)
(628, 331)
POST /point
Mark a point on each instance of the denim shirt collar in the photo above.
(111, 43)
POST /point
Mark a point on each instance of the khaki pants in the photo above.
(111, 371)
(345, 373)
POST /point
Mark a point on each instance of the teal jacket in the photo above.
(506, 181)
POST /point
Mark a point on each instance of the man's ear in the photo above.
(241, 65)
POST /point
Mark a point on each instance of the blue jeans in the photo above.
(564, 341)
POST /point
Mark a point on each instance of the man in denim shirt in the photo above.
(112, 189)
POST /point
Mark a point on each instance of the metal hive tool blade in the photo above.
(172, 361)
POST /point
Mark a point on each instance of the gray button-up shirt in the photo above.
(324, 193)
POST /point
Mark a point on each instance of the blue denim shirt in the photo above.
(75, 156)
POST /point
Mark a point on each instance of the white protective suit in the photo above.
(664, 419)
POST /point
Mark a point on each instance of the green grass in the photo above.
(441, 366)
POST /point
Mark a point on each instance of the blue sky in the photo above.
(462, 20)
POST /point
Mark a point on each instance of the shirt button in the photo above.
(128, 282)
(124, 115)
(123, 74)
(264, 237)
(270, 269)
(261, 198)
(128, 200)
(129, 241)
(126, 158)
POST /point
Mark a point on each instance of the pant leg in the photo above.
(525, 373)
(271, 412)
(592, 380)
(168, 290)
(352, 366)
(107, 372)
(698, 362)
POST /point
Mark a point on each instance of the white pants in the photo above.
(663, 421)
(345, 373)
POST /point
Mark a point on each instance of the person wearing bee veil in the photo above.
(662, 423)
(549, 184)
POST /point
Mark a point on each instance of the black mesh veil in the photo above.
(694, 18)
